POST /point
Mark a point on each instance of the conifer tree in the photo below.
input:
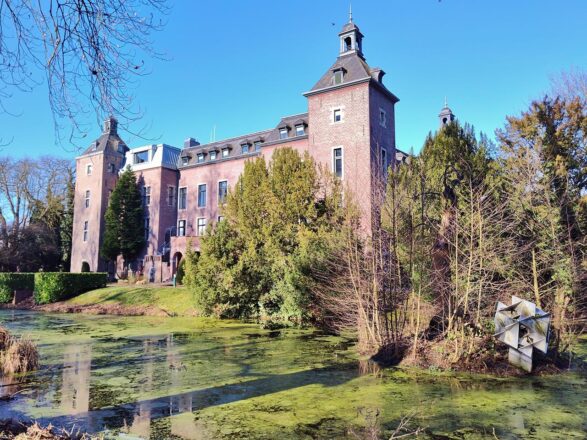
(124, 229)
(66, 228)
(257, 262)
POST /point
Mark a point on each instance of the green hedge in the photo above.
(58, 286)
(11, 281)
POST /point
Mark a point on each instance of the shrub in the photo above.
(11, 281)
(180, 271)
(58, 286)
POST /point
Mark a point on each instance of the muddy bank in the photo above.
(91, 309)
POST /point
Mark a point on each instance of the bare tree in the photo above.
(88, 51)
(30, 188)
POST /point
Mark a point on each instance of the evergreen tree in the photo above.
(258, 261)
(124, 228)
(546, 168)
(66, 227)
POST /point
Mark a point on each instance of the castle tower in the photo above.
(446, 115)
(96, 175)
(352, 123)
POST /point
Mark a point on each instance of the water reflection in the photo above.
(187, 384)
(75, 388)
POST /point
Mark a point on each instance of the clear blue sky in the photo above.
(240, 65)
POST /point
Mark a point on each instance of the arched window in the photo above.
(348, 44)
(85, 266)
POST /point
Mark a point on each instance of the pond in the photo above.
(196, 378)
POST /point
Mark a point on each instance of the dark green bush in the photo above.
(11, 281)
(180, 271)
(58, 286)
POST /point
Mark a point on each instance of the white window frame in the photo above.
(341, 161)
(87, 198)
(201, 158)
(86, 228)
(225, 152)
(179, 208)
(257, 145)
(136, 155)
(213, 155)
(221, 202)
(302, 129)
(205, 195)
(334, 114)
(382, 121)
(185, 160)
(89, 169)
(179, 222)
(201, 229)
(282, 131)
(147, 195)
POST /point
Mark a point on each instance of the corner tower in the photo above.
(352, 124)
(96, 175)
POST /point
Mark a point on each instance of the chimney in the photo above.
(111, 125)
(190, 142)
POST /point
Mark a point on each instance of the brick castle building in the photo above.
(349, 127)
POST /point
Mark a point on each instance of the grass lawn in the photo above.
(174, 300)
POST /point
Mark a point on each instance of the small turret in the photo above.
(446, 115)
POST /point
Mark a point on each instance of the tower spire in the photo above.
(445, 102)
(350, 12)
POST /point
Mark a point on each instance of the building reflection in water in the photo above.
(141, 424)
(75, 388)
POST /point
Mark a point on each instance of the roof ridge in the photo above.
(231, 138)
(296, 114)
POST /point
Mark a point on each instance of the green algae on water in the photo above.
(149, 377)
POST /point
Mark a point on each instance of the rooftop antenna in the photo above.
(213, 134)
(350, 12)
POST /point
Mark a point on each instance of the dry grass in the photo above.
(17, 355)
(37, 432)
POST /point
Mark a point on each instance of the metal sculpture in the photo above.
(523, 327)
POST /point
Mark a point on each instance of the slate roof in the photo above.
(356, 69)
(108, 140)
(234, 144)
(350, 26)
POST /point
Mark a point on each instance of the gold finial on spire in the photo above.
(350, 12)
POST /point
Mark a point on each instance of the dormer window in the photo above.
(213, 154)
(283, 133)
(225, 152)
(300, 131)
(185, 160)
(141, 157)
(245, 148)
(257, 145)
(201, 157)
